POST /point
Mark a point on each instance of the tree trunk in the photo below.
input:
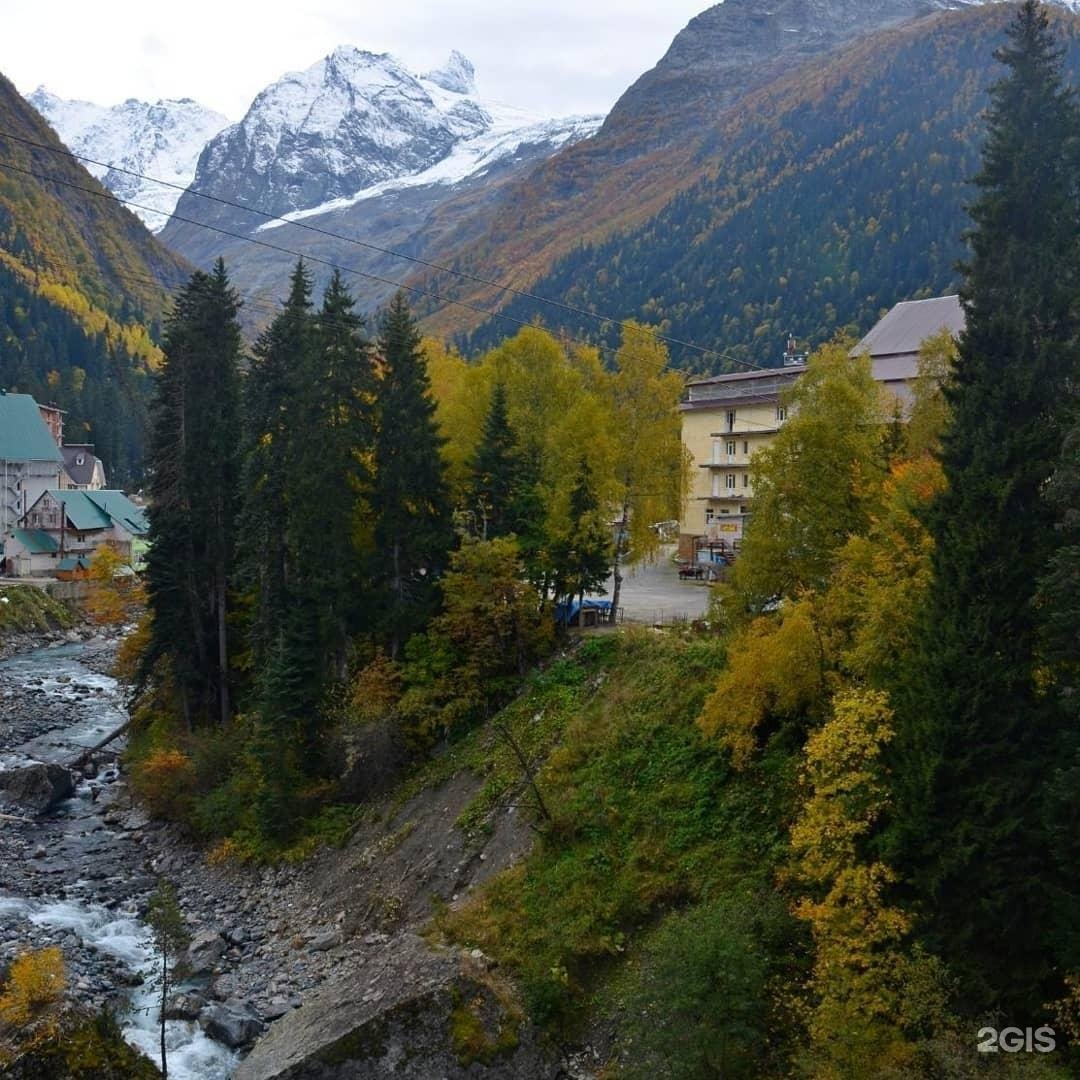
(394, 642)
(526, 768)
(620, 541)
(164, 1001)
(223, 642)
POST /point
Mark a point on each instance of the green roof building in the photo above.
(30, 457)
(66, 524)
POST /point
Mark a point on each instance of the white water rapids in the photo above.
(97, 708)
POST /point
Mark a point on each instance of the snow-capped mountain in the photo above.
(512, 134)
(357, 146)
(355, 122)
(162, 140)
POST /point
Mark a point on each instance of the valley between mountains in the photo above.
(490, 593)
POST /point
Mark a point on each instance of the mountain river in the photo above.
(66, 877)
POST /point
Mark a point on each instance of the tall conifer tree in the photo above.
(413, 530)
(582, 558)
(283, 349)
(980, 736)
(193, 488)
(494, 472)
(327, 471)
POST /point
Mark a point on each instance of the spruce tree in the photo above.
(1059, 617)
(527, 516)
(494, 472)
(582, 558)
(193, 490)
(979, 736)
(283, 349)
(413, 529)
(327, 472)
(1059, 593)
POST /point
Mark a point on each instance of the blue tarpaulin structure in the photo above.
(569, 612)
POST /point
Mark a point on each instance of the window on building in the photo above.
(781, 413)
(745, 446)
(730, 419)
(746, 480)
(716, 485)
(731, 447)
(729, 481)
(710, 515)
(716, 451)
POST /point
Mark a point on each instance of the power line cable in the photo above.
(104, 193)
(111, 196)
(330, 234)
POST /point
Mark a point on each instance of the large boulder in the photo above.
(233, 1023)
(414, 1014)
(36, 787)
(206, 949)
(185, 1006)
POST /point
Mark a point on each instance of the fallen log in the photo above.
(91, 750)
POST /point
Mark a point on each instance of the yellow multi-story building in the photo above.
(728, 418)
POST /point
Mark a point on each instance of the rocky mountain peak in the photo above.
(355, 120)
(161, 139)
(457, 75)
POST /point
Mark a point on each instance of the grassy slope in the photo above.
(646, 815)
(24, 608)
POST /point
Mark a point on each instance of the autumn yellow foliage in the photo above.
(376, 690)
(564, 407)
(165, 780)
(114, 591)
(35, 981)
(129, 654)
(861, 974)
(883, 577)
(73, 299)
(776, 667)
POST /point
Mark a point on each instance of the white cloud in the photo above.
(557, 57)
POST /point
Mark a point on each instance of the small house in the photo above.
(65, 524)
(83, 469)
(30, 457)
(73, 568)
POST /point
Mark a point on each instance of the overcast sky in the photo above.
(555, 56)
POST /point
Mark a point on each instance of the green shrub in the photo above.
(697, 1005)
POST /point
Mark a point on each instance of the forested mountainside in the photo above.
(834, 193)
(653, 143)
(83, 287)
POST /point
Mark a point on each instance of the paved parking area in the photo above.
(653, 593)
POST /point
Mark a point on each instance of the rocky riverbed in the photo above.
(302, 962)
(73, 875)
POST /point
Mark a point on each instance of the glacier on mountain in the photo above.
(357, 124)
